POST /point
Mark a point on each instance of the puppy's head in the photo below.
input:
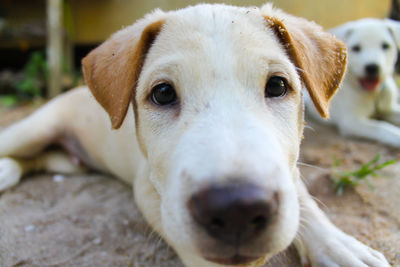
(217, 95)
(372, 47)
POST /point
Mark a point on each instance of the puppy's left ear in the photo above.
(319, 56)
(394, 28)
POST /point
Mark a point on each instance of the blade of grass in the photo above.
(342, 179)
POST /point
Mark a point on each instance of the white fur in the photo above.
(354, 110)
(224, 129)
(10, 173)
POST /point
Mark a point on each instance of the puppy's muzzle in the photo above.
(371, 78)
(372, 70)
(234, 214)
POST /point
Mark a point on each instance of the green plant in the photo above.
(32, 84)
(35, 76)
(8, 100)
(344, 179)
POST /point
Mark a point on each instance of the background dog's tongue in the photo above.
(369, 84)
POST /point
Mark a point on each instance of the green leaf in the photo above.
(387, 163)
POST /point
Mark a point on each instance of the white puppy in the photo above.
(208, 105)
(368, 92)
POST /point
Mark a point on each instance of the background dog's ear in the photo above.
(343, 31)
(319, 56)
(394, 28)
(111, 70)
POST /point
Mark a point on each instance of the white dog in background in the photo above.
(208, 105)
(366, 106)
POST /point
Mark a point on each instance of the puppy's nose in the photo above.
(235, 213)
(372, 70)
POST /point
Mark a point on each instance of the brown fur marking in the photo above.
(320, 57)
(112, 70)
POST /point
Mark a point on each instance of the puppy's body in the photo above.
(77, 131)
(208, 102)
(368, 91)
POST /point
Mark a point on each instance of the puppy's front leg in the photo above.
(387, 105)
(394, 116)
(320, 243)
(380, 131)
(12, 169)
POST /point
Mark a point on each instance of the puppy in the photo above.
(369, 91)
(201, 111)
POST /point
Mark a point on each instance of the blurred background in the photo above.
(87, 220)
(42, 42)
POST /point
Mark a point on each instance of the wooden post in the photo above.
(54, 46)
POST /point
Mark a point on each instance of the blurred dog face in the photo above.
(372, 49)
(219, 117)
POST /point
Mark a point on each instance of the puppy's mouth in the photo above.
(370, 84)
(234, 260)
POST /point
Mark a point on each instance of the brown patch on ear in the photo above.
(112, 70)
(320, 57)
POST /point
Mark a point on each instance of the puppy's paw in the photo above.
(10, 173)
(335, 248)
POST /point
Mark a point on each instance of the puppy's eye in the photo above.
(356, 48)
(276, 87)
(385, 46)
(163, 94)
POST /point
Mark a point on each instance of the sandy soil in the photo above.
(91, 220)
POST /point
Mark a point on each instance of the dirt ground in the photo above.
(91, 220)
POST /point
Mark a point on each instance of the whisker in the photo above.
(312, 166)
(308, 126)
(319, 202)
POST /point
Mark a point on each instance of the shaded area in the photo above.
(91, 220)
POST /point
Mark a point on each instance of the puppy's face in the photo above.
(219, 117)
(372, 52)
(217, 110)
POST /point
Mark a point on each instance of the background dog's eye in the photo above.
(356, 48)
(276, 86)
(163, 94)
(385, 46)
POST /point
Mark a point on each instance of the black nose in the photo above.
(372, 70)
(235, 213)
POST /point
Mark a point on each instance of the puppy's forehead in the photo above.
(219, 23)
(217, 37)
(211, 17)
(370, 30)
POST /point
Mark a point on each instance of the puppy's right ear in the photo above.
(343, 31)
(111, 70)
(394, 28)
